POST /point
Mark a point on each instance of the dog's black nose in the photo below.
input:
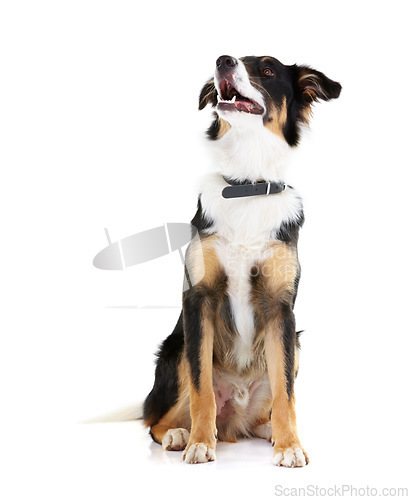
(226, 63)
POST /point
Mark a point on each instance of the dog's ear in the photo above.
(314, 85)
(208, 95)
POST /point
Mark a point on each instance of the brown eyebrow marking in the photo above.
(268, 59)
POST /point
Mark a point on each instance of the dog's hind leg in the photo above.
(171, 438)
(172, 429)
(262, 428)
(166, 409)
(263, 431)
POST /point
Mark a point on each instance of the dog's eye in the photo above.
(268, 72)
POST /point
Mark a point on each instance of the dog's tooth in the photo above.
(234, 99)
(218, 98)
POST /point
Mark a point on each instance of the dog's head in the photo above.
(264, 89)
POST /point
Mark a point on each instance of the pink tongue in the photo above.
(243, 106)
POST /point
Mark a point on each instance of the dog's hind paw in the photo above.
(199, 453)
(290, 457)
(175, 439)
(263, 431)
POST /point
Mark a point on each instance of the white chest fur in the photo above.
(245, 226)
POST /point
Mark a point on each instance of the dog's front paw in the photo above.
(175, 439)
(199, 453)
(294, 456)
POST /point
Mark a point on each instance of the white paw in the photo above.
(175, 439)
(199, 454)
(264, 431)
(291, 457)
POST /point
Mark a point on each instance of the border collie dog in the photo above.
(227, 370)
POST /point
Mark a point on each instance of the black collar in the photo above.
(240, 189)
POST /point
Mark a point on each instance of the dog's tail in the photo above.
(125, 414)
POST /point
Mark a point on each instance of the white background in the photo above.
(100, 128)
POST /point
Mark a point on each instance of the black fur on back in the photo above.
(200, 221)
(289, 231)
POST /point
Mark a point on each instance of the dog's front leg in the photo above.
(199, 333)
(280, 345)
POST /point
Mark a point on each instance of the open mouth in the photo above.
(229, 99)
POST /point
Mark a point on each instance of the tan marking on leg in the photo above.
(274, 285)
(202, 262)
(204, 266)
(275, 290)
(202, 440)
(279, 270)
(202, 402)
(283, 414)
(283, 417)
(225, 335)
